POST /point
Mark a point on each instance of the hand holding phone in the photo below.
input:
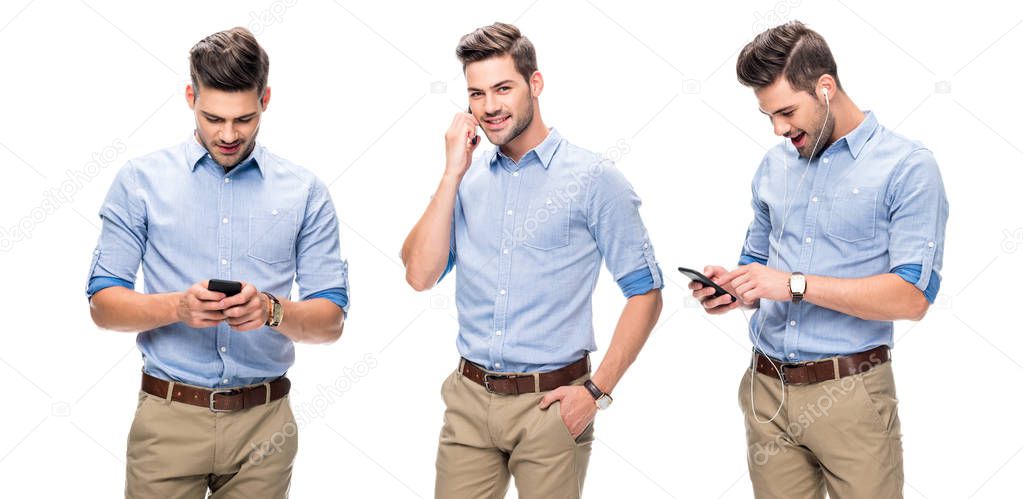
(475, 136)
(229, 288)
(199, 306)
(460, 141)
(717, 301)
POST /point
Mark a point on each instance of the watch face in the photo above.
(798, 284)
(604, 402)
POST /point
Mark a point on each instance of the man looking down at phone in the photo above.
(217, 206)
(527, 226)
(847, 236)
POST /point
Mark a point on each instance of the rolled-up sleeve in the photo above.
(756, 247)
(918, 210)
(320, 271)
(122, 240)
(621, 237)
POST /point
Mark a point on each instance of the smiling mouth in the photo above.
(497, 123)
(798, 140)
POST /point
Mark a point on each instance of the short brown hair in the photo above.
(793, 50)
(497, 40)
(230, 60)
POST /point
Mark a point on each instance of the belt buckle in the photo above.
(780, 366)
(781, 374)
(488, 376)
(213, 405)
(811, 376)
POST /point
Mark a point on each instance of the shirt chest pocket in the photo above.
(546, 224)
(272, 234)
(853, 215)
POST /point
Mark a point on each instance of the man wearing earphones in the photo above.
(847, 236)
(527, 225)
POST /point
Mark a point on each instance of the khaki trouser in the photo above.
(841, 436)
(487, 438)
(177, 450)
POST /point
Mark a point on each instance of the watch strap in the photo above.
(273, 316)
(593, 389)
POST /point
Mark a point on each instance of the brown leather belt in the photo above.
(226, 400)
(805, 373)
(515, 384)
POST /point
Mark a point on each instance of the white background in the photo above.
(362, 94)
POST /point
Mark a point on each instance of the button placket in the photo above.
(504, 267)
(812, 213)
(224, 245)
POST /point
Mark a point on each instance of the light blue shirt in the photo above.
(528, 240)
(178, 214)
(871, 203)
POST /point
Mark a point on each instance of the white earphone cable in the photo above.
(781, 234)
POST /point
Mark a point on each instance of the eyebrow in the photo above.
(213, 116)
(496, 85)
(782, 110)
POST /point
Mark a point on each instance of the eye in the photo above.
(504, 89)
(213, 120)
(475, 94)
(244, 120)
(787, 114)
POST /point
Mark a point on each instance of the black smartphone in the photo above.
(476, 136)
(702, 279)
(229, 288)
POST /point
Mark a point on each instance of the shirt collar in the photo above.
(544, 151)
(856, 139)
(196, 152)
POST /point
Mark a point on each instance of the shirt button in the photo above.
(792, 323)
(497, 333)
(825, 160)
(97, 252)
(274, 213)
(223, 349)
(792, 355)
(503, 292)
(814, 199)
(227, 181)
(224, 220)
(511, 212)
(226, 381)
(809, 240)
(223, 262)
(516, 174)
(930, 244)
(506, 251)
(497, 365)
(856, 190)
(646, 245)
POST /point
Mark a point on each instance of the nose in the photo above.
(491, 105)
(781, 127)
(228, 133)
